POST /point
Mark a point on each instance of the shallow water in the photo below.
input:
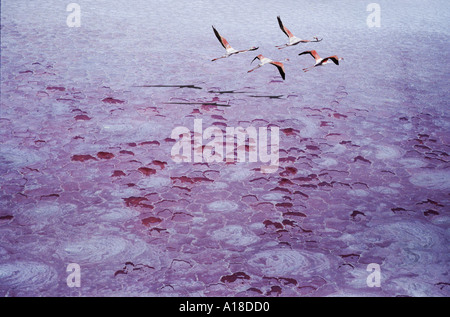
(87, 176)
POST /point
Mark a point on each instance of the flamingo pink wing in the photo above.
(221, 39)
(335, 59)
(280, 67)
(284, 29)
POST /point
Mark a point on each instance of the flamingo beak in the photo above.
(254, 60)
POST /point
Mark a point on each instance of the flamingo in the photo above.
(229, 50)
(293, 40)
(265, 60)
(321, 61)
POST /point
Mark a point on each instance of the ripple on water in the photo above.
(25, 275)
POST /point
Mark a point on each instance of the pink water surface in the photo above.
(87, 176)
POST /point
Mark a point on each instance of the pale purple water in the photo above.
(87, 178)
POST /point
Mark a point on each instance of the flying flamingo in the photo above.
(320, 61)
(265, 60)
(229, 50)
(293, 40)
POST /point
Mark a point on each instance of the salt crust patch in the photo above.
(431, 179)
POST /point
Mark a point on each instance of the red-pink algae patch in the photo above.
(112, 100)
(290, 131)
(149, 143)
(360, 158)
(105, 155)
(118, 173)
(159, 163)
(83, 157)
(269, 223)
(6, 218)
(151, 220)
(134, 201)
(82, 117)
(56, 88)
(147, 171)
(126, 152)
(191, 180)
(233, 277)
(274, 289)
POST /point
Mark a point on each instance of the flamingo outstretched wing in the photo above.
(283, 28)
(313, 53)
(334, 58)
(280, 67)
(221, 39)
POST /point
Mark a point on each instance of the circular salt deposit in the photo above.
(97, 249)
(235, 235)
(278, 262)
(23, 275)
(433, 179)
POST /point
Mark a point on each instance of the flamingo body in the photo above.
(319, 60)
(264, 60)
